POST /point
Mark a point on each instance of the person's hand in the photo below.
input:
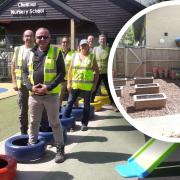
(40, 89)
(15, 87)
(35, 89)
(43, 89)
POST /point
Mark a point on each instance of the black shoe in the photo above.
(84, 128)
(60, 157)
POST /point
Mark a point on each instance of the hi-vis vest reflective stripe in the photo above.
(101, 55)
(50, 71)
(19, 63)
(82, 72)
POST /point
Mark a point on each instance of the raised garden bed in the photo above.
(168, 86)
(118, 90)
(143, 80)
(145, 101)
(149, 88)
(119, 81)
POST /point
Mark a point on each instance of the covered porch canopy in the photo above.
(16, 16)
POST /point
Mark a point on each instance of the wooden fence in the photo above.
(130, 62)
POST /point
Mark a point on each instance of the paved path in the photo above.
(93, 155)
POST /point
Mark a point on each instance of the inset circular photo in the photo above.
(144, 71)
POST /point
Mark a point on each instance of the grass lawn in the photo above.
(9, 123)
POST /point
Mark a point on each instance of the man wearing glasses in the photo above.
(43, 74)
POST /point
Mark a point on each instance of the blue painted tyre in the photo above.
(48, 135)
(68, 122)
(64, 133)
(92, 109)
(77, 112)
(91, 116)
(17, 147)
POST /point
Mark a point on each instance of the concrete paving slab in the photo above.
(93, 154)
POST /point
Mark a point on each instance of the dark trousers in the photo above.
(71, 100)
(23, 96)
(102, 77)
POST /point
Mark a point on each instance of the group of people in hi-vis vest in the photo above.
(41, 72)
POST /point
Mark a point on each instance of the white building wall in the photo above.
(159, 22)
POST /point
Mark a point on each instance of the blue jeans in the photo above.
(71, 100)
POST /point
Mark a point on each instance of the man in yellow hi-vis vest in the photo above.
(82, 79)
(19, 56)
(43, 74)
(67, 55)
(101, 54)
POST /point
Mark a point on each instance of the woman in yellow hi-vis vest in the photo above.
(82, 79)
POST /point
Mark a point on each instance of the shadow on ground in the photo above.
(48, 156)
(45, 175)
(166, 171)
(114, 128)
(96, 117)
(81, 139)
(98, 157)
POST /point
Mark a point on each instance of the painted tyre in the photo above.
(68, 122)
(8, 166)
(104, 91)
(48, 135)
(91, 116)
(64, 133)
(97, 105)
(17, 147)
(103, 99)
(92, 109)
(77, 112)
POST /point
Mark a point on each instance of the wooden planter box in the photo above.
(118, 90)
(119, 81)
(150, 88)
(145, 101)
(143, 80)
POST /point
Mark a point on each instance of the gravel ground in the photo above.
(170, 87)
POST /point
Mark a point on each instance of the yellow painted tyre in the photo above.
(104, 91)
(97, 104)
(103, 99)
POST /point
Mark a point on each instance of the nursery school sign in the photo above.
(27, 9)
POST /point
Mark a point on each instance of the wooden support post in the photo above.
(72, 34)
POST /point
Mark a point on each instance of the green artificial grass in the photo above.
(9, 123)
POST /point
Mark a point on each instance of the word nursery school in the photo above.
(27, 8)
